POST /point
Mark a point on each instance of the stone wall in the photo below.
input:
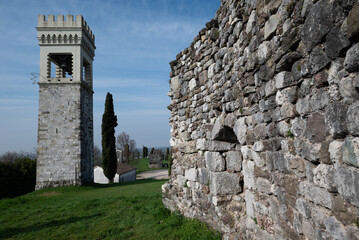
(155, 159)
(265, 121)
(65, 135)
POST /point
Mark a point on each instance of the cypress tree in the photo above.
(109, 122)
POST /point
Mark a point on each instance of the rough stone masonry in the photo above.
(265, 121)
(65, 121)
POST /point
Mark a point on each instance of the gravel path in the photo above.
(156, 174)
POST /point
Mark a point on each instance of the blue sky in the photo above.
(135, 41)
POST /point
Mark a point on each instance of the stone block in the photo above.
(202, 144)
(350, 151)
(283, 79)
(308, 229)
(335, 43)
(248, 174)
(315, 194)
(311, 151)
(297, 166)
(303, 207)
(315, 129)
(214, 161)
(234, 161)
(335, 151)
(219, 146)
(263, 185)
(323, 176)
(175, 84)
(334, 228)
(270, 88)
(335, 116)
(192, 84)
(191, 174)
(287, 110)
(347, 181)
(264, 51)
(240, 129)
(353, 119)
(318, 23)
(270, 26)
(280, 162)
(318, 59)
(351, 62)
(203, 175)
(222, 183)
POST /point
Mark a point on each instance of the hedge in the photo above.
(17, 177)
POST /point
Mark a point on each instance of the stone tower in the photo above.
(65, 122)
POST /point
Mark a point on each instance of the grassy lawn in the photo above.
(113, 211)
(142, 165)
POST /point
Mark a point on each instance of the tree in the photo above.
(109, 122)
(144, 152)
(123, 139)
(126, 154)
(152, 150)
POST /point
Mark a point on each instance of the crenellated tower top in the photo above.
(60, 23)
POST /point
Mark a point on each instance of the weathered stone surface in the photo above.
(224, 183)
(348, 88)
(219, 146)
(248, 174)
(351, 62)
(311, 151)
(192, 84)
(335, 150)
(203, 175)
(215, 161)
(353, 119)
(318, 23)
(266, 105)
(352, 21)
(318, 59)
(347, 181)
(283, 79)
(334, 228)
(335, 116)
(323, 176)
(350, 151)
(240, 129)
(303, 207)
(191, 174)
(234, 161)
(315, 129)
(315, 194)
(175, 84)
(335, 43)
(279, 161)
(271, 26)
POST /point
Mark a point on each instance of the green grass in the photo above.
(114, 211)
(142, 165)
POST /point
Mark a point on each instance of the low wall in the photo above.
(265, 121)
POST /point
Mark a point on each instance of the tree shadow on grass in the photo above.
(9, 232)
(142, 181)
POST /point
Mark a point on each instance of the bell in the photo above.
(63, 65)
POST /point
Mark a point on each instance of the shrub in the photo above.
(17, 177)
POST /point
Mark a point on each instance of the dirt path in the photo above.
(156, 174)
